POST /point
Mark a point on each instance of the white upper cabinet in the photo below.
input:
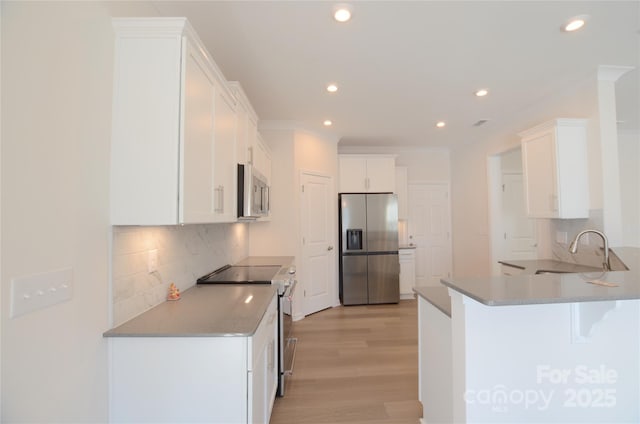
(251, 147)
(262, 158)
(173, 146)
(554, 157)
(247, 124)
(225, 163)
(367, 173)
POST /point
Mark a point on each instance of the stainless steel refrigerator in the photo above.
(369, 264)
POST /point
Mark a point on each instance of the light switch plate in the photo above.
(39, 291)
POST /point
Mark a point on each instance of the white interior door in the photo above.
(318, 243)
(519, 231)
(430, 231)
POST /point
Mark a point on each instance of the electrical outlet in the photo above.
(152, 261)
(39, 291)
(561, 237)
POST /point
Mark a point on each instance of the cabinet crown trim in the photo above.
(150, 27)
(242, 98)
(565, 122)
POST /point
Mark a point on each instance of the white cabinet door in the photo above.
(197, 179)
(164, 169)
(145, 125)
(554, 157)
(353, 174)
(367, 174)
(263, 369)
(247, 124)
(225, 170)
(242, 128)
(178, 379)
(381, 174)
(539, 162)
(262, 157)
(407, 259)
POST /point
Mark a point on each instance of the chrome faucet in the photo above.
(573, 247)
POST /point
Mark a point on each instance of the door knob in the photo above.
(330, 248)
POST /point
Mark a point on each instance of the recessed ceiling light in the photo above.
(575, 23)
(327, 123)
(441, 124)
(482, 92)
(332, 88)
(342, 12)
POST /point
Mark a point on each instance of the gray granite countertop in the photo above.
(203, 311)
(528, 289)
(437, 296)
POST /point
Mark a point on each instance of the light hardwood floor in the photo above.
(354, 364)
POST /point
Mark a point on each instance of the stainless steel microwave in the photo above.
(253, 193)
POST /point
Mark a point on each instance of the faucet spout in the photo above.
(573, 247)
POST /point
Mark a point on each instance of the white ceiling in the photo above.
(403, 65)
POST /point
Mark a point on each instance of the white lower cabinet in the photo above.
(225, 380)
(435, 372)
(407, 259)
(263, 371)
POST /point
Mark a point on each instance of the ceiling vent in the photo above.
(480, 122)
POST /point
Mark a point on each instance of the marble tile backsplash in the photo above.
(184, 254)
(591, 254)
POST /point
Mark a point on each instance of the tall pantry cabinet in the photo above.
(173, 143)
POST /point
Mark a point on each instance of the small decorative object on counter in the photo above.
(174, 292)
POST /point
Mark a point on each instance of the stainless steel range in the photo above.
(285, 279)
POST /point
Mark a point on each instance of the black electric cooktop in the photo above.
(240, 275)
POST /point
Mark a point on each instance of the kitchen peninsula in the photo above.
(533, 348)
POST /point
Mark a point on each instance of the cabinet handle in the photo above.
(219, 199)
(553, 200)
(271, 355)
(250, 155)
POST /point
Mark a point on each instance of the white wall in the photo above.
(629, 151)
(56, 116)
(471, 239)
(294, 150)
(185, 253)
(283, 227)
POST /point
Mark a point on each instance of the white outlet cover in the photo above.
(39, 291)
(561, 237)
